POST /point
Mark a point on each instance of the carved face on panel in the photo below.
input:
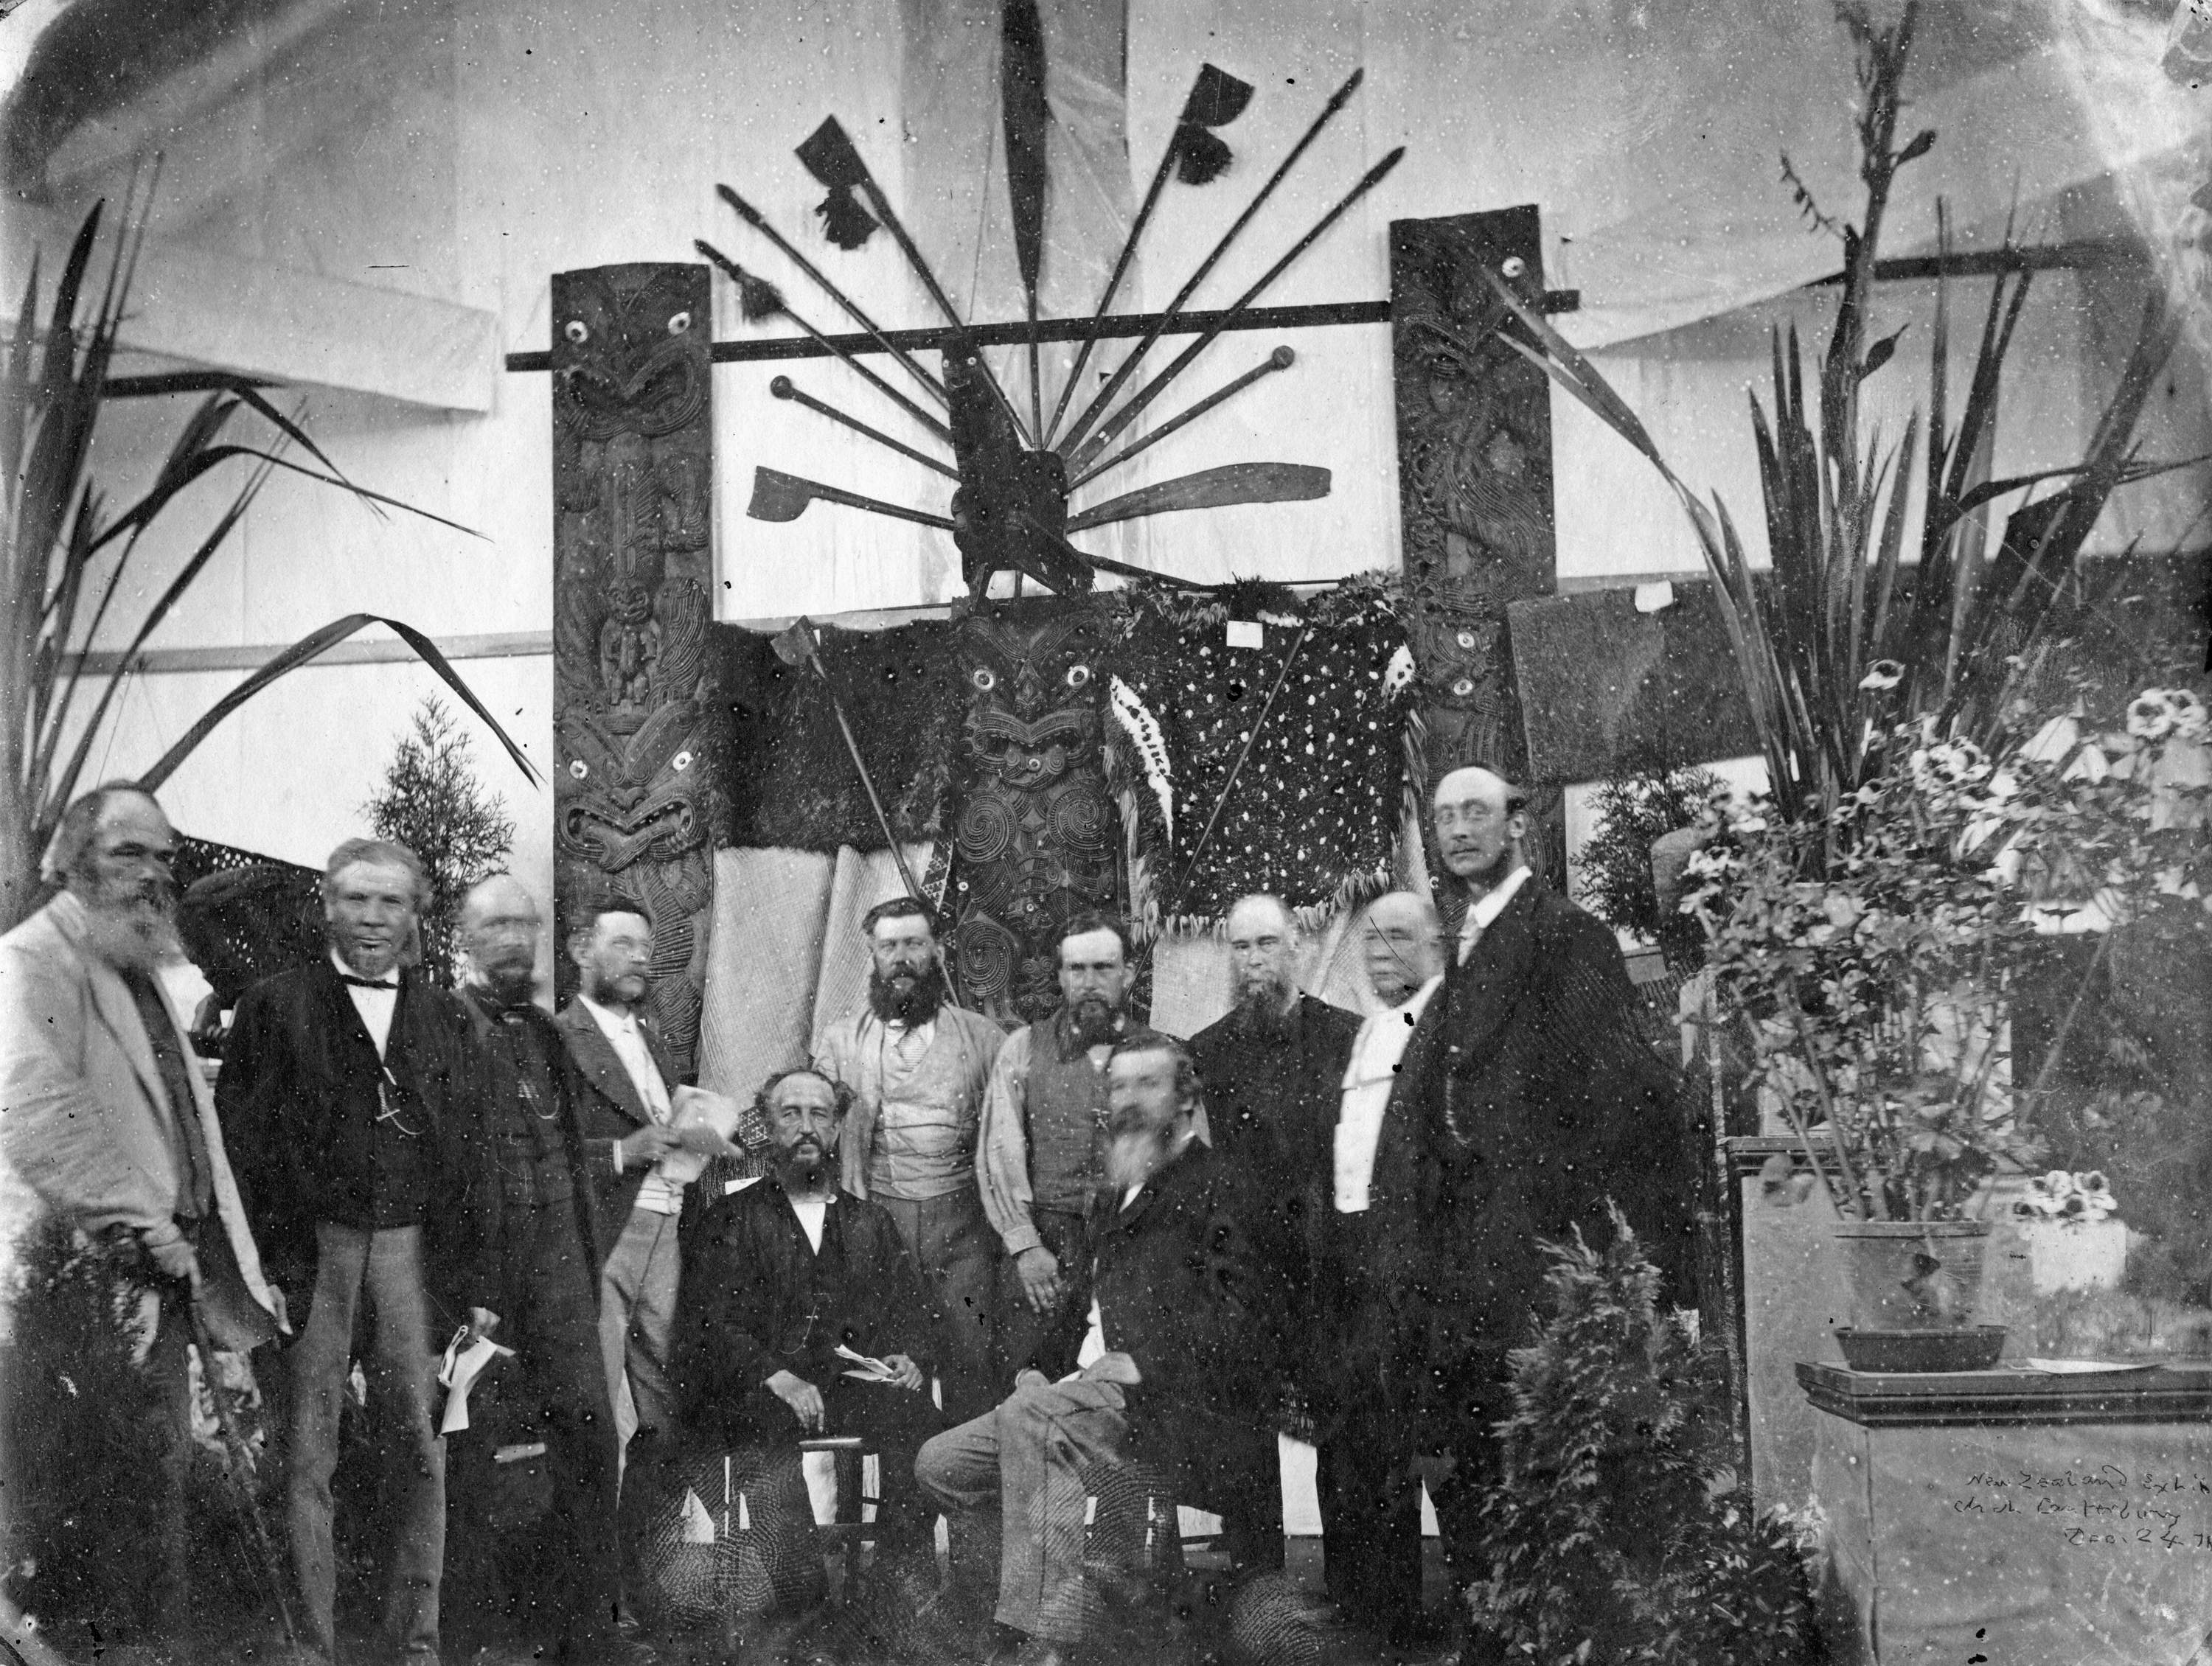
(628, 351)
(624, 798)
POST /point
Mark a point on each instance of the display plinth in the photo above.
(2014, 1515)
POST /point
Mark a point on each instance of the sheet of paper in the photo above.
(696, 1109)
(874, 1370)
(458, 1371)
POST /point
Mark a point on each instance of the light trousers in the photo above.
(1031, 1460)
(383, 1270)
(637, 1313)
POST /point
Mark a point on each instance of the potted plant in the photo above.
(1864, 954)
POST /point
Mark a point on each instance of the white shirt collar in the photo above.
(623, 1023)
(390, 979)
(1480, 915)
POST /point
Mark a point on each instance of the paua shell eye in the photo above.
(579, 768)
(680, 762)
(679, 324)
(577, 331)
(1465, 639)
(1514, 266)
(1079, 676)
(984, 678)
(1463, 687)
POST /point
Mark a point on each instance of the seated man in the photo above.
(1176, 1311)
(777, 1276)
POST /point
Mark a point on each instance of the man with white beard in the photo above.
(108, 1119)
(1171, 1370)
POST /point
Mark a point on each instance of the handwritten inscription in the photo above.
(2095, 1506)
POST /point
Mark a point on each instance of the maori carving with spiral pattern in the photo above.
(640, 801)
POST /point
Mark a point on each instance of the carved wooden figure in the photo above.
(640, 804)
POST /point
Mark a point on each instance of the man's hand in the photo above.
(1114, 1368)
(702, 1141)
(172, 1258)
(1039, 1271)
(482, 1323)
(645, 1147)
(906, 1373)
(801, 1396)
(1030, 1378)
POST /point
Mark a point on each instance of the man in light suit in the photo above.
(625, 1113)
(109, 1121)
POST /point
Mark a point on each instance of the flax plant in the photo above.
(70, 560)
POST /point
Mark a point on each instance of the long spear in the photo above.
(753, 217)
(783, 388)
(1127, 367)
(1281, 359)
(1217, 99)
(1158, 384)
(239, 1471)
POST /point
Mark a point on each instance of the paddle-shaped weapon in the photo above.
(1281, 359)
(1217, 99)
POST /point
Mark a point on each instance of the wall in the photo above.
(463, 149)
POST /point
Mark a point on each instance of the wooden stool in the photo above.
(847, 1524)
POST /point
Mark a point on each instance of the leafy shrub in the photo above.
(1628, 813)
(433, 803)
(1619, 1532)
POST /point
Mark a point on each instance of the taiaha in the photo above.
(1217, 99)
(783, 388)
(1127, 367)
(1281, 359)
(239, 1468)
(1158, 384)
(759, 299)
(753, 217)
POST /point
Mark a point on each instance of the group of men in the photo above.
(1105, 1247)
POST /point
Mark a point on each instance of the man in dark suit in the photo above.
(545, 1244)
(778, 1276)
(356, 1096)
(1532, 1100)
(1171, 1373)
(628, 1110)
(1269, 1071)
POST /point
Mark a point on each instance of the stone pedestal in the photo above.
(2012, 1516)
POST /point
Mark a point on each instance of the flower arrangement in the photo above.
(2071, 1200)
(1865, 953)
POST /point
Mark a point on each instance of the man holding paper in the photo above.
(801, 1311)
(635, 1115)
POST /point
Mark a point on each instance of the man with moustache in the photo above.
(544, 1240)
(918, 1069)
(1531, 1100)
(627, 1111)
(356, 1098)
(1041, 1143)
(107, 1119)
(1171, 1374)
(781, 1274)
(1269, 1071)
(1367, 1479)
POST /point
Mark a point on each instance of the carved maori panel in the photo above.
(1036, 838)
(1474, 481)
(642, 737)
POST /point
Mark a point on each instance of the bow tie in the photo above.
(391, 984)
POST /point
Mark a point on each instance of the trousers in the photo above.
(382, 1269)
(555, 1390)
(1030, 1460)
(1047, 1342)
(952, 1243)
(637, 1311)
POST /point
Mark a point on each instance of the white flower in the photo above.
(2192, 721)
(1883, 674)
(2151, 715)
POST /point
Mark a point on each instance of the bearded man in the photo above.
(356, 1092)
(779, 1277)
(108, 1120)
(1043, 1143)
(1171, 1369)
(918, 1069)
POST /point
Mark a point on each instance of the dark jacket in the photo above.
(298, 1083)
(573, 1093)
(609, 1109)
(1270, 1105)
(750, 1281)
(1526, 1101)
(1180, 1291)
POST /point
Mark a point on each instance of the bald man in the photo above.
(1269, 1071)
(546, 1253)
(1530, 1101)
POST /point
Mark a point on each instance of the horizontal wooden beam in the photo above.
(1118, 326)
(1989, 263)
(505, 644)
